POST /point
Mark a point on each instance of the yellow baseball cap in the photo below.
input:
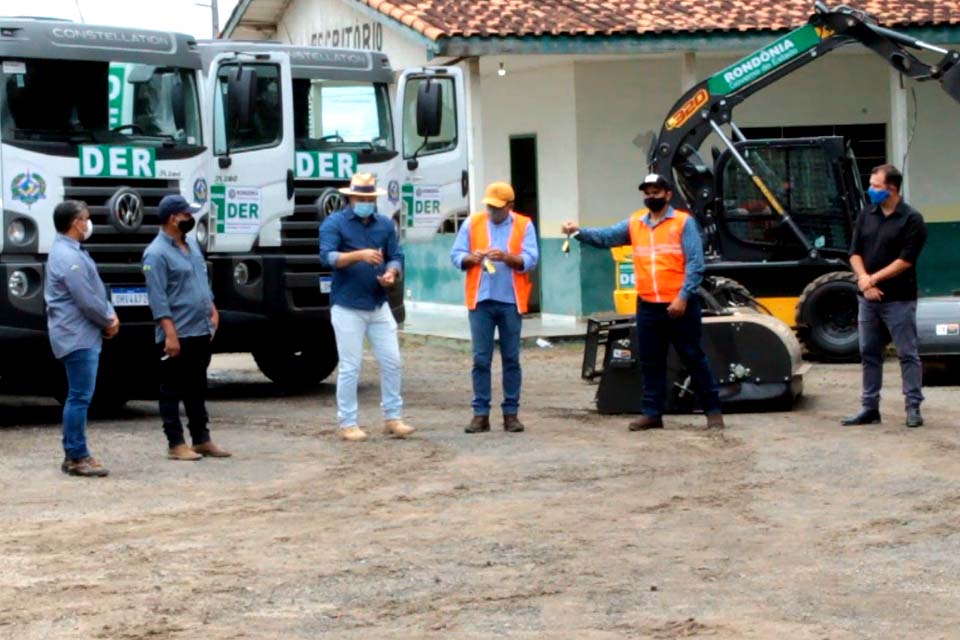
(498, 194)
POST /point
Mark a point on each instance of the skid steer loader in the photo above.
(777, 215)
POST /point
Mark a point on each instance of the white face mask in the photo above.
(88, 231)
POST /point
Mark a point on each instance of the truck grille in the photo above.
(118, 253)
(300, 236)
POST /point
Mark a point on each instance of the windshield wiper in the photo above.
(59, 135)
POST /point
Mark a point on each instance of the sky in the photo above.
(184, 16)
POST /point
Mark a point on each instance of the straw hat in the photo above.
(363, 184)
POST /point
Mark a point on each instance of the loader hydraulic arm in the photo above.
(703, 110)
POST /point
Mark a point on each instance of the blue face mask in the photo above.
(877, 196)
(365, 209)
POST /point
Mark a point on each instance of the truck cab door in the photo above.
(431, 112)
(251, 190)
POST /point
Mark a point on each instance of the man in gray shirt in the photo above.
(78, 317)
(182, 305)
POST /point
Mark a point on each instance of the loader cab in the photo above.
(815, 179)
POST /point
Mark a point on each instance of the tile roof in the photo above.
(436, 19)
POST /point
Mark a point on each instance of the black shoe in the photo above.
(479, 424)
(512, 424)
(866, 416)
(914, 419)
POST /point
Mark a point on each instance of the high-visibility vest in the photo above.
(480, 240)
(658, 260)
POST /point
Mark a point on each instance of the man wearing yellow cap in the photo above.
(362, 248)
(497, 248)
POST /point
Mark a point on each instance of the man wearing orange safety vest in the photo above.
(668, 267)
(497, 248)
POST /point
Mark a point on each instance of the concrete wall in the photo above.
(326, 23)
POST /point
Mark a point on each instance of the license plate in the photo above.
(129, 297)
(325, 284)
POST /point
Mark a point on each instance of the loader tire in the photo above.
(827, 317)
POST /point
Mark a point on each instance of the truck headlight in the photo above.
(18, 284)
(17, 232)
(241, 274)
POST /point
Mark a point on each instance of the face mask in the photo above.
(498, 214)
(88, 231)
(365, 209)
(877, 196)
(655, 204)
(186, 226)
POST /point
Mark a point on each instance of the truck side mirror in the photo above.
(242, 96)
(429, 109)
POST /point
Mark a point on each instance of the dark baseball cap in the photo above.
(174, 204)
(656, 180)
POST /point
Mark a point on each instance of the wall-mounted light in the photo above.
(501, 71)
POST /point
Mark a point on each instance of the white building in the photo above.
(559, 100)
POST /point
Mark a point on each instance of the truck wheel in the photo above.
(297, 370)
(827, 317)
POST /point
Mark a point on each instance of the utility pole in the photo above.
(214, 16)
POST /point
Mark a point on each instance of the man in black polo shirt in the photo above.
(887, 241)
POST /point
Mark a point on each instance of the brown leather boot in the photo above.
(715, 421)
(210, 450)
(184, 453)
(84, 467)
(479, 424)
(512, 424)
(645, 423)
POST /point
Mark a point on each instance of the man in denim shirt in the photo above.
(361, 247)
(78, 317)
(668, 267)
(182, 305)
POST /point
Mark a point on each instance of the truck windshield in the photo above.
(341, 115)
(50, 101)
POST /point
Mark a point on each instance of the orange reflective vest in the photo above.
(658, 260)
(480, 240)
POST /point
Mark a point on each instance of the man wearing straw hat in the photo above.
(361, 247)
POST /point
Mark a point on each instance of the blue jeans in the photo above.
(351, 326)
(656, 331)
(900, 319)
(81, 366)
(490, 315)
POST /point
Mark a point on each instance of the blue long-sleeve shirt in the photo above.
(618, 235)
(356, 286)
(77, 306)
(177, 287)
(497, 286)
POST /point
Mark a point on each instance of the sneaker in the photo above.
(865, 416)
(183, 453)
(210, 450)
(397, 428)
(84, 467)
(914, 417)
(353, 434)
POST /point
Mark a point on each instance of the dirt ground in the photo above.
(783, 526)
